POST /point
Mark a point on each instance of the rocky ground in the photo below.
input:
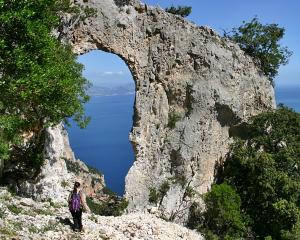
(24, 218)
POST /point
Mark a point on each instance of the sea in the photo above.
(105, 145)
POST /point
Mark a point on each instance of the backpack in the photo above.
(75, 202)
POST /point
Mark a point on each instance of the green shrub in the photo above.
(182, 11)
(262, 42)
(40, 211)
(7, 232)
(33, 229)
(108, 191)
(189, 192)
(49, 227)
(164, 188)
(153, 195)
(173, 118)
(2, 214)
(264, 169)
(111, 207)
(94, 170)
(64, 183)
(223, 212)
(14, 209)
(156, 196)
(72, 166)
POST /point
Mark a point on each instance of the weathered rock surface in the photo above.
(60, 170)
(192, 88)
(23, 218)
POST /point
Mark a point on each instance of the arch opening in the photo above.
(104, 144)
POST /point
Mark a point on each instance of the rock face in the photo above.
(192, 88)
(23, 218)
(60, 170)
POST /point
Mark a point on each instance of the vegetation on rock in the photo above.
(222, 218)
(262, 43)
(113, 206)
(264, 171)
(260, 191)
(173, 118)
(182, 11)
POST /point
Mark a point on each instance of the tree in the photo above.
(182, 11)
(41, 83)
(223, 216)
(262, 43)
(264, 169)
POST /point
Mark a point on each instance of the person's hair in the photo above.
(76, 186)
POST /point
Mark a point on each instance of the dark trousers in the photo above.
(77, 219)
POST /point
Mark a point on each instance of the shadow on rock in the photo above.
(65, 221)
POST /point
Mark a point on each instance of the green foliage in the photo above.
(94, 170)
(173, 118)
(182, 11)
(64, 183)
(72, 166)
(2, 214)
(33, 229)
(7, 232)
(260, 194)
(156, 196)
(14, 209)
(189, 192)
(111, 207)
(223, 214)
(40, 81)
(153, 196)
(108, 191)
(49, 227)
(179, 178)
(264, 169)
(41, 211)
(164, 188)
(262, 42)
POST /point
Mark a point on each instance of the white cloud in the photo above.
(111, 73)
(108, 73)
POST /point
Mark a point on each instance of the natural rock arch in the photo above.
(191, 87)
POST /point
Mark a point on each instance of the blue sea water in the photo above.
(104, 143)
(289, 96)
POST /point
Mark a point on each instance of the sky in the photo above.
(106, 69)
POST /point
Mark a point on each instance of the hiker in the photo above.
(77, 202)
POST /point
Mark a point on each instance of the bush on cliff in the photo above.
(262, 43)
(264, 169)
(182, 11)
(113, 206)
(222, 218)
(259, 192)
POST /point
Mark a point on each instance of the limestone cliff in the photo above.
(60, 170)
(192, 88)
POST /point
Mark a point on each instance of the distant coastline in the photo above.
(126, 89)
